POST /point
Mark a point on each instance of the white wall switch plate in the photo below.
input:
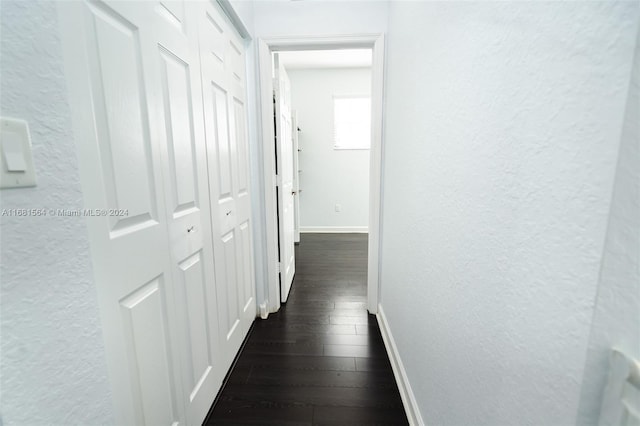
(338, 207)
(16, 161)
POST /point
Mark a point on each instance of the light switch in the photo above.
(13, 154)
(16, 161)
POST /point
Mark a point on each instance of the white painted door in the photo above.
(178, 110)
(224, 100)
(134, 74)
(284, 168)
(110, 50)
(296, 177)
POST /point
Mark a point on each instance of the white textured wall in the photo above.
(329, 176)
(304, 18)
(503, 124)
(616, 321)
(53, 368)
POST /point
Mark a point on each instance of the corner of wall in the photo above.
(617, 302)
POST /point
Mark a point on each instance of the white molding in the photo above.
(266, 46)
(375, 174)
(235, 19)
(269, 177)
(334, 229)
(408, 398)
(345, 41)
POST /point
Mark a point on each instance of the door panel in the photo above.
(147, 346)
(222, 72)
(236, 62)
(215, 43)
(284, 148)
(241, 141)
(176, 90)
(245, 255)
(220, 116)
(178, 114)
(173, 12)
(231, 287)
(193, 284)
(110, 57)
(121, 119)
(166, 296)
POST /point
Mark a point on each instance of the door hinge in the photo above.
(278, 267)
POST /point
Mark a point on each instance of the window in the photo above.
(352, 122)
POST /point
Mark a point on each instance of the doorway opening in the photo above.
(351, 110)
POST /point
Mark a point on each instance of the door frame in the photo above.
(266, 46)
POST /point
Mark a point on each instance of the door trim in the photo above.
(235, 19)
(266, 46)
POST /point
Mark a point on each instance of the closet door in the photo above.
(110, 57)
(175, 76)
(170, 235)
(223, 89)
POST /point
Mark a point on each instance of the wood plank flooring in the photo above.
(320, 360)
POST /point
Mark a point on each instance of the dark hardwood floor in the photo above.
(320, 360)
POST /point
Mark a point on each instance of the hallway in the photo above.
(320, 360)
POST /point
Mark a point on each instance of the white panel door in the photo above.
(284, 168)
(110, 52)
(178, 112)
(175, 179)
(296, 177)
(224, 100)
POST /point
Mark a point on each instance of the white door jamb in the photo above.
(376, 42)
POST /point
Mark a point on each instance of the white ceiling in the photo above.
(346, 58)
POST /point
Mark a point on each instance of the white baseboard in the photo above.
(334, 229)
(408, 399)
